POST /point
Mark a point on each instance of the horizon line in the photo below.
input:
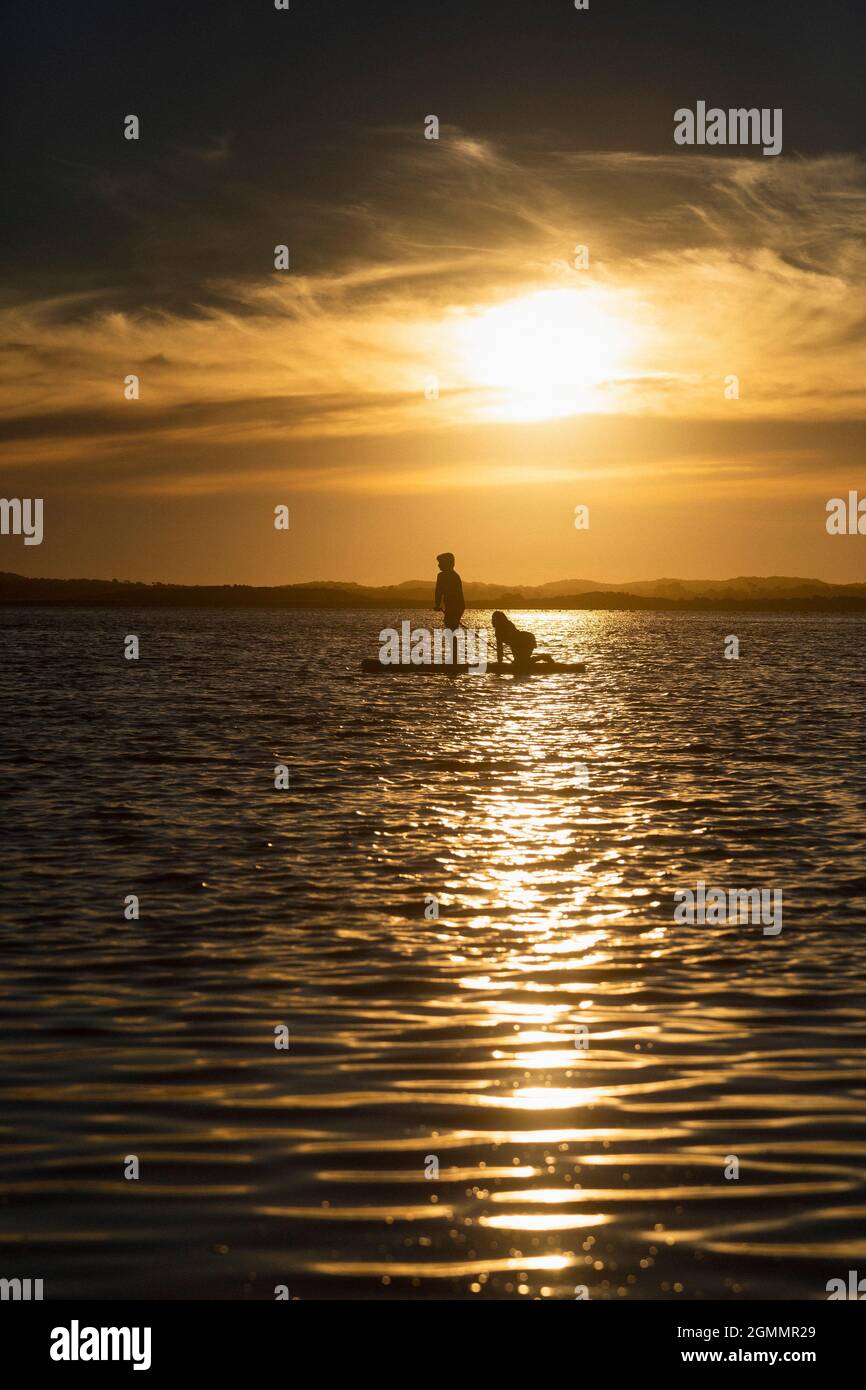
(402, 583)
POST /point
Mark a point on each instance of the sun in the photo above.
(545, 354)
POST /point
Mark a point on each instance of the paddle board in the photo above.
(373, 667)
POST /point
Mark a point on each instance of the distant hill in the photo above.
(774, 592)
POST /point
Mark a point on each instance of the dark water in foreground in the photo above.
(553, 819)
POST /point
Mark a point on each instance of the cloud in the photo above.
(711, 266)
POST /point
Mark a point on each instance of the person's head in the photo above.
(500, 622)
(445, 561)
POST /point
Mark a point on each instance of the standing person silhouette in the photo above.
(449, 591)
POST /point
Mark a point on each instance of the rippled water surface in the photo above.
(582, 1069)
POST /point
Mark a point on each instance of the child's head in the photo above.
(445, 560)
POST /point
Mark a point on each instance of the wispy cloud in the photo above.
(711, 267)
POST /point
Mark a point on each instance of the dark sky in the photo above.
(294, 93)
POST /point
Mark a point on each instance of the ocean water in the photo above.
(462, 910)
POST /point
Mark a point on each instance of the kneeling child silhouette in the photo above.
(522, 644)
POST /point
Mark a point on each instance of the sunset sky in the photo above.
(416, 261)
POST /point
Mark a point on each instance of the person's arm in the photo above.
(499, 650)
(437, 602)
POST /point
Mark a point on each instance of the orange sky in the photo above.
(457, 381)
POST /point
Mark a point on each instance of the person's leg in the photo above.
(521, 649)
(451, 622)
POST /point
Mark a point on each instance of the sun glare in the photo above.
(546, 353)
